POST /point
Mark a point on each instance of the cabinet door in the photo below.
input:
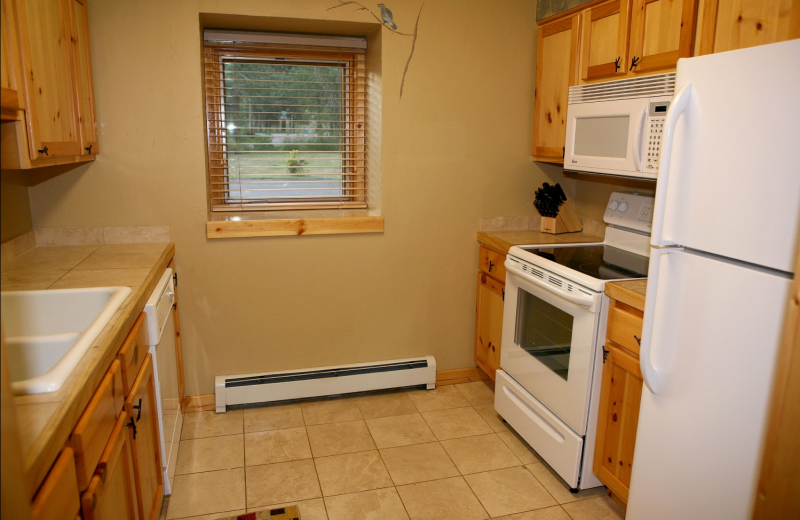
(604, 41)
(617, 420)
(94, 428)
(10, 89)
(82, 64)
(51, 111)
(737, 24)
(661, 32)
(145, 442)
(111, 493)
(556, 71)
(489, 324)
(58, 498)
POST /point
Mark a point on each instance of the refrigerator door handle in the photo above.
(649, 373)
(678, 106)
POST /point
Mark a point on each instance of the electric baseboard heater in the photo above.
(271, 387)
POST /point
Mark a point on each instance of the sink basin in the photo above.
(48, 332)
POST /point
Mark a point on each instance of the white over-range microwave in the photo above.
(616, 127)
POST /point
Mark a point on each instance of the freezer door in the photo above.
(716, 331)
(731, 185)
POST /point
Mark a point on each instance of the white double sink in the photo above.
(49, 332)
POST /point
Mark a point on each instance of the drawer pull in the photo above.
(138, 415)
(490, 266)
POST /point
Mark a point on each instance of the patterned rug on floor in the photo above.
(281, 513)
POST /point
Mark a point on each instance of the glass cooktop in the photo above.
(603, 262)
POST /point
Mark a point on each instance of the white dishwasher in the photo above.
(161, 328)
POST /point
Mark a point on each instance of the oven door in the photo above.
(606, 136)
(549, 338)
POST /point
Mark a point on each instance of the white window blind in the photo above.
(285, 121)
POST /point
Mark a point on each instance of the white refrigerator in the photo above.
(723, 245)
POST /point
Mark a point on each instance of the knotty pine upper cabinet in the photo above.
(56, 86)
(10, 76)
(662, 31)
(51, 111)
(604, 41)
(556, 71)
(82, 63)
(736, 24)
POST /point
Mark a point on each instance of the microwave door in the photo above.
(606, 137)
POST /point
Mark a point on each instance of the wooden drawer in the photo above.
(133, 352)
(624, 326)
(111, 494)
(59, 497)
(91, 434)
(491, 263)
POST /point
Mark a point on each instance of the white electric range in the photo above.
(554, 324)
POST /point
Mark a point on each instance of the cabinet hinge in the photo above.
(504, 294)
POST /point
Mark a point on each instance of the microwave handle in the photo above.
(638, 151)
(678, 106)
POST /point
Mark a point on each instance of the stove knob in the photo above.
(613, 205)
(623, 207)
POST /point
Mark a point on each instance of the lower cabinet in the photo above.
(489, 311)
(111, 493)
(620, 396)
(145, 440)
(57, 498)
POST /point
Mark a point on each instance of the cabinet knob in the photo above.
(490, 266)
(638, 340)
(634, 62)
(89, 149)
(616, 63)
(44, 151)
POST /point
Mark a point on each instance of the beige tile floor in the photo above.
(405, 455)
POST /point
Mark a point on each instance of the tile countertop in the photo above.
(631, 292)
(46, 420)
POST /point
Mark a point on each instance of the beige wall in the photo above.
(456, 148)
(15, 211)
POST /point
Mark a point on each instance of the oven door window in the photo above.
(544, 332)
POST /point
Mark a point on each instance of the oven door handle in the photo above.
(584, 300)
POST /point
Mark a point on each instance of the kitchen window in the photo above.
(285, 121)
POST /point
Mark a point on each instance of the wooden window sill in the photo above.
(292, 223)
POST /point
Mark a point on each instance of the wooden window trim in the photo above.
(353, 120)
(279, 227)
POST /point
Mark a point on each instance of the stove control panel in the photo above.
(626, 210)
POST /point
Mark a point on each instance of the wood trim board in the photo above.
(294, 227)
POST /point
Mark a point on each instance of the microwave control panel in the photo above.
(656, 116)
